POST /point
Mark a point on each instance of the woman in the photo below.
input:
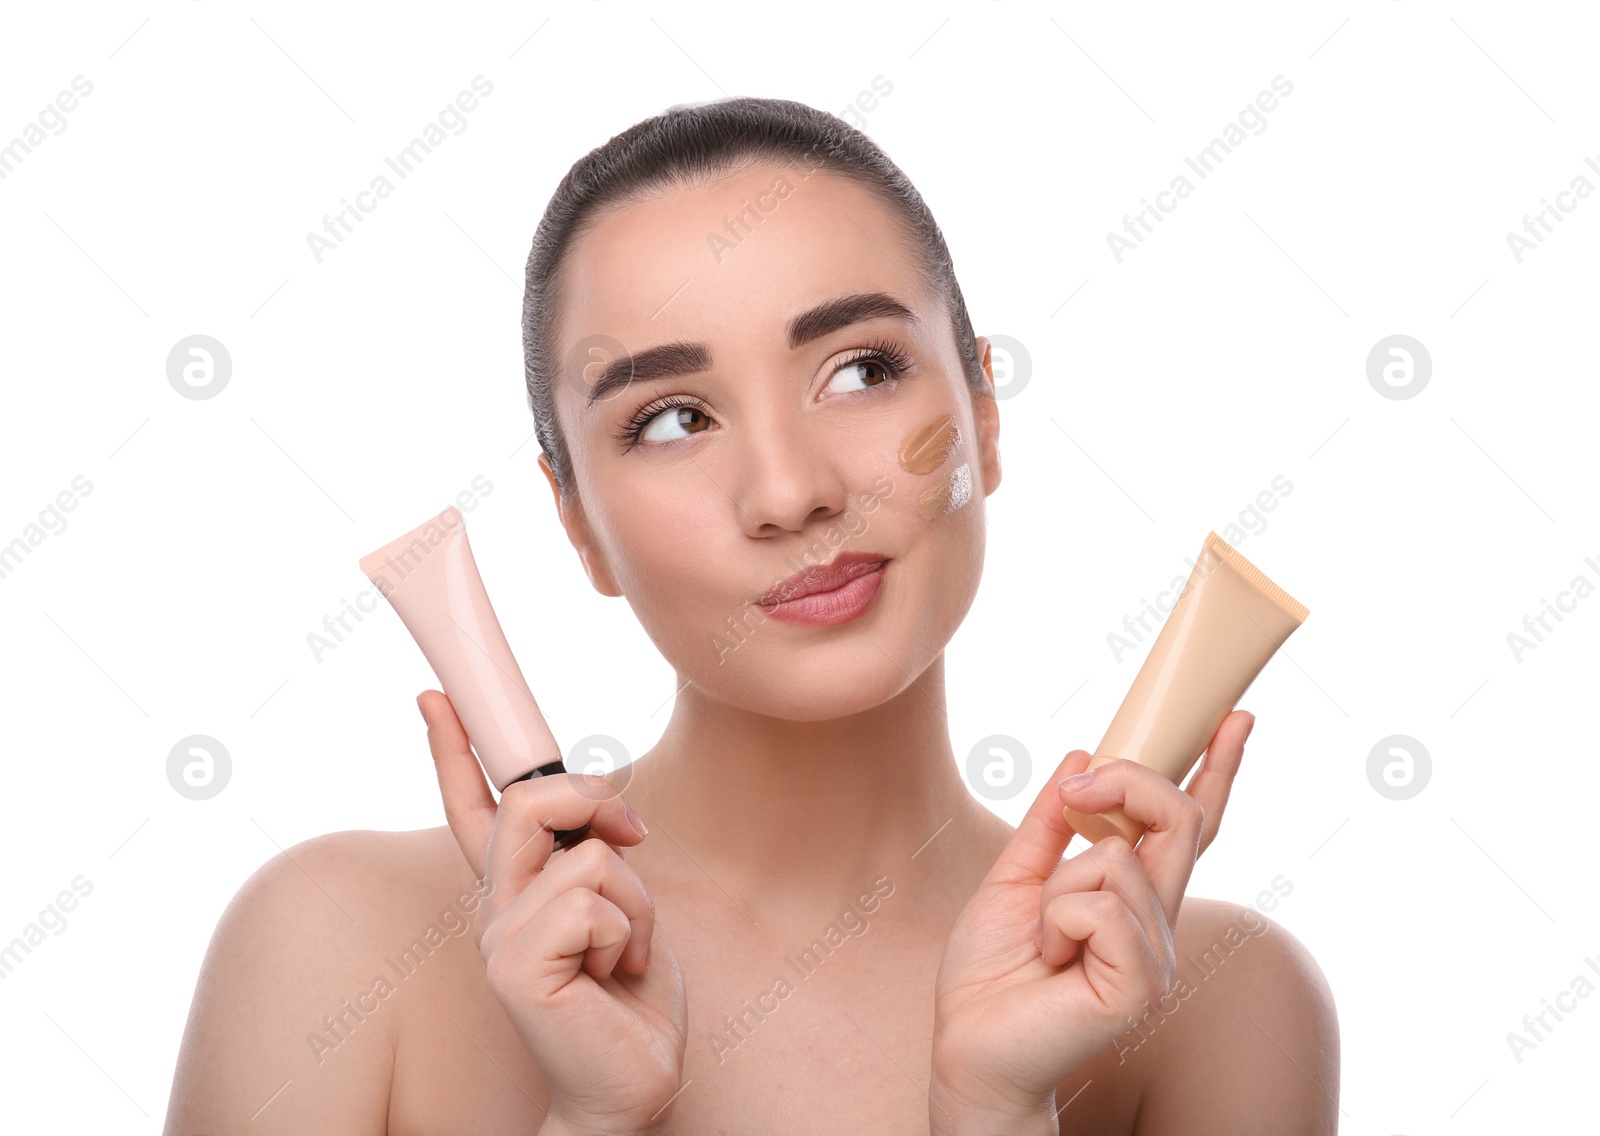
(767, 423)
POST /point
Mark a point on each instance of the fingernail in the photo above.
(635, 819)
(1038, 934)
(1077, 781)
(420, 710)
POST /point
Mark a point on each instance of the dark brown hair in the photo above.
(689, 144)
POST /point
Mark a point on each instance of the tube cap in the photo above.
(565, 838)
(1097, 826)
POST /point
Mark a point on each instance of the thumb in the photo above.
(1035, 848)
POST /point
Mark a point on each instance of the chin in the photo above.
(840, 696)
(850, 675)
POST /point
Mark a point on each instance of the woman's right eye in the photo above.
(673, 423)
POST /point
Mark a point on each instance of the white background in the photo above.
(1165, 393)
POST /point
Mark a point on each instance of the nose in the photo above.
(788, 479)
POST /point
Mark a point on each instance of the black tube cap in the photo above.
(565, 838)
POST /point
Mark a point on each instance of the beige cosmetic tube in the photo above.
(430, 578)
(1228, 621)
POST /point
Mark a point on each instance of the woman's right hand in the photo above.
(568, 938)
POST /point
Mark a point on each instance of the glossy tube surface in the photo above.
(430, 578)
(1228, 621)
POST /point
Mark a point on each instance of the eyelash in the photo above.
(895, 361)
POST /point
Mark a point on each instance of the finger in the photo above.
(1035, 848)
(1110, 865)
(578, 930)
(1214, 783)
(1107, 928)
(468, 803)
(593, 866)
(610, 935)
(532, 812)
(1172, 819)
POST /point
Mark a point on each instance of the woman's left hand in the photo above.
(1014, 1014)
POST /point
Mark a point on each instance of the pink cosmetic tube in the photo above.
(430, 578)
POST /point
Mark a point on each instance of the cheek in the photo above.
(951, 492)
(853, 523)
(930, 445)
(934, 453)
(657, 542)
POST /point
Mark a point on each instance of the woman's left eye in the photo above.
(870, 373)
(872, 368)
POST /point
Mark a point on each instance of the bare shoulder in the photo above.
(385, 870)
(1247, 1039)
(288, 1029)
(346, 886)
(1245, 1042)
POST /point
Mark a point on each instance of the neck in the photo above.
(786, 816)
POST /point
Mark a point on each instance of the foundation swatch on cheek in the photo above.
(926, 448)
(923, 451)
(948, 495)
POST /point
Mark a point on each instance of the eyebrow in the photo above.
(681, 358)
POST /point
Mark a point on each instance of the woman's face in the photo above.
(762, 445)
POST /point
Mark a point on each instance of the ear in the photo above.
(986, 414)
(576, 524)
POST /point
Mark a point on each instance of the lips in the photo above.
(829, 577)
